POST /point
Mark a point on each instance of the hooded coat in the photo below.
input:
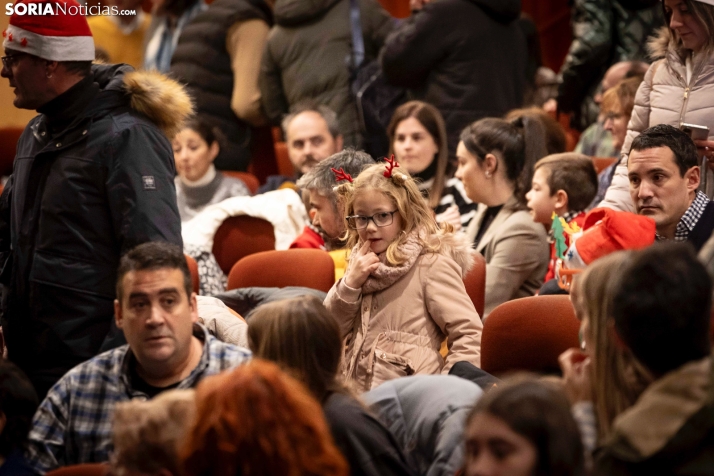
(466, 57)
(665, 97)
(309, 53)
(79, 197)
(396, 323)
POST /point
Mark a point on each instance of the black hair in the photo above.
(520, 141)
(662, 307)
(18, 402)
(154, 255)
(208, 132)
(679, 142)
(82, 68)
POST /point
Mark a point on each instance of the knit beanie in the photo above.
(52, 30)
(606, 231)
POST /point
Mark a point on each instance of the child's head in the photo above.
(384, 210)
(561, 183)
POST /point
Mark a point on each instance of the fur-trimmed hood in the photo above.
(162, 100)
(658, 45)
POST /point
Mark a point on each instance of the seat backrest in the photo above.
(86, 469)
(310, 268)
(475, 283)
(528, 334)
(8, 148)
(601, 163)
(241, 236)
(285, 167)
(193, 268)
(250, 180)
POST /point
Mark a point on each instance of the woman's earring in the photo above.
(49, 75)
(488, 174)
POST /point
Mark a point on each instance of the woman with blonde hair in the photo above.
(403, 293)
(304, 340)
(259, 421)
(677, 89)
(602, 379)
(417, 138)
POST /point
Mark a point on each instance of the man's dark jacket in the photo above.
(466, 57)
(90, 181)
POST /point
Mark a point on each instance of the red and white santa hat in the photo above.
(63, 35)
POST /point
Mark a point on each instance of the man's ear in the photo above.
(693, 176)
(51, 67)
(339, 142)
(118, 318)
(193, 306)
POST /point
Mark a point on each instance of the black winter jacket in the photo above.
(201, 61)
(466, 57)
(80, 195)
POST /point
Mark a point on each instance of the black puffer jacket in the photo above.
(201, 61)
(84, 190)
(308, 56)
(466, 57)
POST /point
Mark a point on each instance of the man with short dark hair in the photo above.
(661, 309)
(664, 176)
(18, 402)
(312, 134)
(167, 349)
(93, 177)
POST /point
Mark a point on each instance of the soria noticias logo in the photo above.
(57, 8)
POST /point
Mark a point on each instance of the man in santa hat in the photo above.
(93, 177)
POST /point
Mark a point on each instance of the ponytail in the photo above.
(534, 149)
(521, 143)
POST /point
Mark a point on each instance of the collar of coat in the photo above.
(663, 409)
(455, 246)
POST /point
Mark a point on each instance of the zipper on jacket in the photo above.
(688, 87)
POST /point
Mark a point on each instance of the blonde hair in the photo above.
(146, 434)
(401, 189)
(703, 12)
(617, 377)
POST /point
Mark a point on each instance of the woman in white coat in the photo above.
(677, 89)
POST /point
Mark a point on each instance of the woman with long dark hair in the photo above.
(495, 163)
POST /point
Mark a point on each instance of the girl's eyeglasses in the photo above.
(359, 222)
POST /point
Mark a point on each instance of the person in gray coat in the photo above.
(426, 414)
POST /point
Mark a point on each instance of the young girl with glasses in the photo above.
(403, 293)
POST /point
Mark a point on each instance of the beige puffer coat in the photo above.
(664, 97)
(394, 330)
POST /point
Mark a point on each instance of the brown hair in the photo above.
(258, 420)
(303, 338)
(703, 12)
(517, 144)
(146, 434)
(404, 193)
(621, 97)
(617, 377)
(539, 412)
(572, 173)
(556, 140)
(429, 117)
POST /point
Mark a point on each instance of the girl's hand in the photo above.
(452, 216)
(362, 264)
(576, 375)
(706, 149)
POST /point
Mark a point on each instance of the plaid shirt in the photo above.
(74, 422)
(690, 218)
